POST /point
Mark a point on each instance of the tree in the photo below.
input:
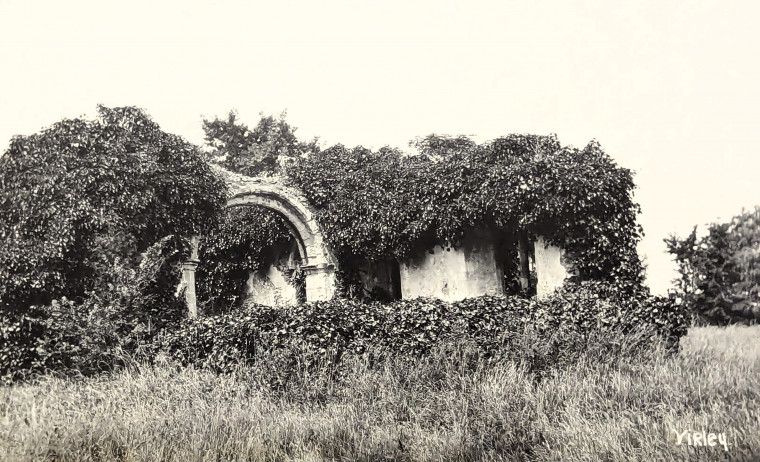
(720, 272)
(84, 195)
(253, 151)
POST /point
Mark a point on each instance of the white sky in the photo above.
(671, 89)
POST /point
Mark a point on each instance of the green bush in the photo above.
(594, 306)
(83, 202)
(539, 333)
(720, 271)
(223, 341)
(81, 193)
(214, 342)
(102, 330)
(19, 339)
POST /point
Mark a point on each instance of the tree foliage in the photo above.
(253, 151)
(720, 272)
(94, 216)
(82, 196)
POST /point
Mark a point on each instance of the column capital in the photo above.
(315, 269)
(190, 265)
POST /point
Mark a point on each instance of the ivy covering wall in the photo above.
(234, 248)
(387, 204)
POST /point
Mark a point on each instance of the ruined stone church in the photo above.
(473, 269)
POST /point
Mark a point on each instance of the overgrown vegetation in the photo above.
(377, 205)
(100, 334)
(720, 272)
(562, 325)
(387, 204)
(626, 404)
(94, 218)
(83, 194)
(234, 248)
(97, 211)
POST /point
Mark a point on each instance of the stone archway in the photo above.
(318, 261)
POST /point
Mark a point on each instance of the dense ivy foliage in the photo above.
(236, 246)
(720, 271)
(542, 333)
(101, 330)
(85, 205)
(386, 204)
(83, 193)
(561, 324)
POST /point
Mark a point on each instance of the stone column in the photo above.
(188, 277)
(549, 268)
(320, 282)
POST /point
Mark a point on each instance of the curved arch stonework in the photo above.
(269, 192)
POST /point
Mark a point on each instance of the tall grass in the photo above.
(622, 404)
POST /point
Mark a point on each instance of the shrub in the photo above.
(100, 331)
(720, 272)
(595, 306)
(216, 342)
(542, 334)
(82, 192)
(82, 202)
(19, 334)
(221, 342)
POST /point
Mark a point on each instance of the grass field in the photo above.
(629, 407)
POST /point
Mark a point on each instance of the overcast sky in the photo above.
(671, 89)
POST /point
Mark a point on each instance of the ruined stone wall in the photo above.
(485, 274)
(270, 288)
(468, 271)
(318, 261)
(550, 269)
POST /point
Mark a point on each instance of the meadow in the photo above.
(451, 404)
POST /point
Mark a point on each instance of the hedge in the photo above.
(574, 314)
